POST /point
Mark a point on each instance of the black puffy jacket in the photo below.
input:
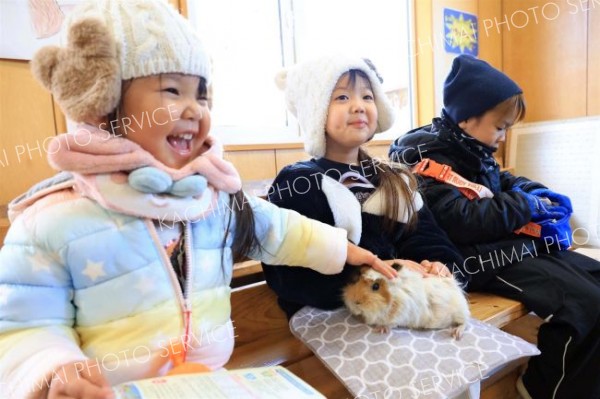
(481, 228)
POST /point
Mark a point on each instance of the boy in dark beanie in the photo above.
(513, 232)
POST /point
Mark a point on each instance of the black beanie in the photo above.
(473, 87)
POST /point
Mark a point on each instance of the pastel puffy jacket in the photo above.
(79, 281)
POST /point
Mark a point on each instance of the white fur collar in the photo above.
(347, 210)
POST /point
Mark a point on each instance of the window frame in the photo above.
(290, 136)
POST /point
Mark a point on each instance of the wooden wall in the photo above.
(423, 60)
(264, 162)
(547, 57)
(26, 120)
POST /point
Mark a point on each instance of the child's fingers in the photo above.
(440, 269)
(412, 266)
(359, 257)
(384, 268)
(92, 372)
(75, 380)
(84, 389)
(436, 269)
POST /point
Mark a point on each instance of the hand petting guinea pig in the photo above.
(409, 301)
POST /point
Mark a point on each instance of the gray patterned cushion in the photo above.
(405, 363)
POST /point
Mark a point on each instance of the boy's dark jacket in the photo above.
(482, 228)
(298, 187)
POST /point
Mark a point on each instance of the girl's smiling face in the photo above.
(352, 115)
(168, 116)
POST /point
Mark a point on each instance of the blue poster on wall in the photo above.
(460, 32)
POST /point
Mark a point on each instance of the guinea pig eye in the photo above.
(375, 286)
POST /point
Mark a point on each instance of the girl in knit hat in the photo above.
(111, 269)
(340, 105)
(513, 231)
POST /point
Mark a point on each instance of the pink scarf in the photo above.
(93, 151)
(100, 164)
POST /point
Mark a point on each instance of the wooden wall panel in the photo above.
(284, 157)
(593, 66)
(545, 53)
(3, 231)
(26, 120)
(379, 151)
(423, 60)
(4, 224)
(490, 38)
(253, 165)
(490, 46)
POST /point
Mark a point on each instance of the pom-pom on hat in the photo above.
(308, 87)
(473, 87)
(108, 41)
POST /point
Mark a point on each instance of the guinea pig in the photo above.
(409, 300)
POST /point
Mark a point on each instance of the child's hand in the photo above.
(79, 380)
(557, 198)
(414, 266)
(435, 269)
(359, 257)
(425, 268)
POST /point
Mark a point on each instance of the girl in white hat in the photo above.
(340, 105)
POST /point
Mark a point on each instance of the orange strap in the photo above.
(443, 173)
(530, 229)
(440, 172)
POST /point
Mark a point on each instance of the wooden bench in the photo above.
(263, 338)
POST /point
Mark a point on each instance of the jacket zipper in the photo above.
(187, 304)
(184, 301)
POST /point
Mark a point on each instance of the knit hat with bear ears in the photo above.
(308, 87)
(108, 41)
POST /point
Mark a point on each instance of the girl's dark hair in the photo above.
(245, 239)
(353, 74)
(115, 115)
(395, 180)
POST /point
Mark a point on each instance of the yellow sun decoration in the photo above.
(462, 33)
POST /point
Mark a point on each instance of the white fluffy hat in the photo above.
(308, 87)
(108, 41)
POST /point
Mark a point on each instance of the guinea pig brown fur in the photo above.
(409, 300)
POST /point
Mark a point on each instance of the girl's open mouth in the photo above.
(181, 143)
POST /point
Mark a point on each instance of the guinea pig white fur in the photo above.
(408, 300)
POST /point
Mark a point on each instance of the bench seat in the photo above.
(263, 338)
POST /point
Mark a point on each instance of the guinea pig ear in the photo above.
(397, 266)
(353, 275)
